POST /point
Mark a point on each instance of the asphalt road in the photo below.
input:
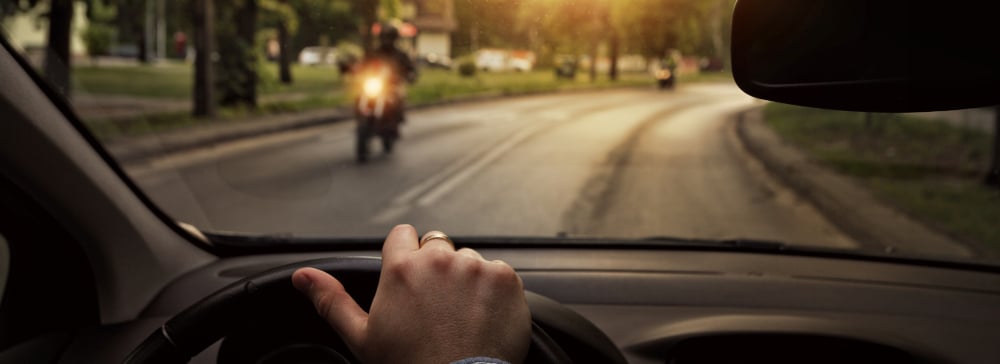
(626, 163)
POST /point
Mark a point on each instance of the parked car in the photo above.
(318, 56)
(566, 68)
(491, 60)
(433, 60)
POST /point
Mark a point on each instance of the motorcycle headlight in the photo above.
(373, 87)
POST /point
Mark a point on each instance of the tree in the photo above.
(323, 22)
(132, 22)
(56, 67)
(236, 68)
(204, 70)
(475, 30)
(283, 16)
(57, 56)
(99, 33)
(367, 12)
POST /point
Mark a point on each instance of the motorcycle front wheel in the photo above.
(388, 142)
(364, 134)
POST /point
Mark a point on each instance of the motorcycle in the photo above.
(377, 110)
(666, 78)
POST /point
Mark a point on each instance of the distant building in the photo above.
(435, 21)
(28, 32)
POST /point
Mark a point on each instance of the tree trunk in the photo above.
(57, 56)
(284, 58)
(614, 45)
(718, 41)
(204, 75)
(246, 30)
(993, 176)
(593, 63)
(140, 41)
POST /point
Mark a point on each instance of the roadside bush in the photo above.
(467, 69)
(98, 37)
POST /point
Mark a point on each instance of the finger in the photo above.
(333, 303)
(437, 243)
(508, 267)
(401, 240)
(470, 253)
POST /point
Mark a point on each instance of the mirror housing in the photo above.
(869, 55)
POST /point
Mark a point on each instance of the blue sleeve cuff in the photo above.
(480, 360)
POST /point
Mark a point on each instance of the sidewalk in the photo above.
(110, 107)
(847, 205)
(141, 147)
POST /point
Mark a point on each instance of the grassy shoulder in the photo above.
(173, 80)
(928, 169)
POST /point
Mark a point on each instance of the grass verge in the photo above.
(929, 169)
(173, 80)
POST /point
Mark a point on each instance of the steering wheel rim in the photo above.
(199, 326)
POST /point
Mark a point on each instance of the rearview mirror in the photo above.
(869, 55)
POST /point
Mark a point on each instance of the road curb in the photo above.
(138, 149)
(142, 148)
(852, 208)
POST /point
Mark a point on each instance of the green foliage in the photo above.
(267, 78)
(100, 32)
(320, 21)
(238, 58)
(230, 70)
(467, 68)
(279, 11)
(576, 27)
(390, 9)
(98, 38)
(11, 7)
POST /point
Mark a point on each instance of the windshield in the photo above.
(502, 118)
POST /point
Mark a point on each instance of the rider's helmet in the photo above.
(388, 34)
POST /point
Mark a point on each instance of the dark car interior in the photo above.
(98, 274)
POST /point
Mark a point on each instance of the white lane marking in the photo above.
(451, 176)
(446, 186)
(439, 185)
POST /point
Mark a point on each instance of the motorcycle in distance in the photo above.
(377, 110)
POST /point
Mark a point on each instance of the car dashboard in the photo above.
(662, 306)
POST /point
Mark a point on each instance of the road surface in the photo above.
(624, 163)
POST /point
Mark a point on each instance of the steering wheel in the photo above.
(554, 327)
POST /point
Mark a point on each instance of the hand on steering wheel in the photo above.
(433, 305)
(427, 303)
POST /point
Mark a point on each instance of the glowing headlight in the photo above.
(373, 86)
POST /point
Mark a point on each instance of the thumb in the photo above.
(333, 303)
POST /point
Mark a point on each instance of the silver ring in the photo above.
(435, 235)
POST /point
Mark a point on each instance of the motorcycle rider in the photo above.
(401, 66)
